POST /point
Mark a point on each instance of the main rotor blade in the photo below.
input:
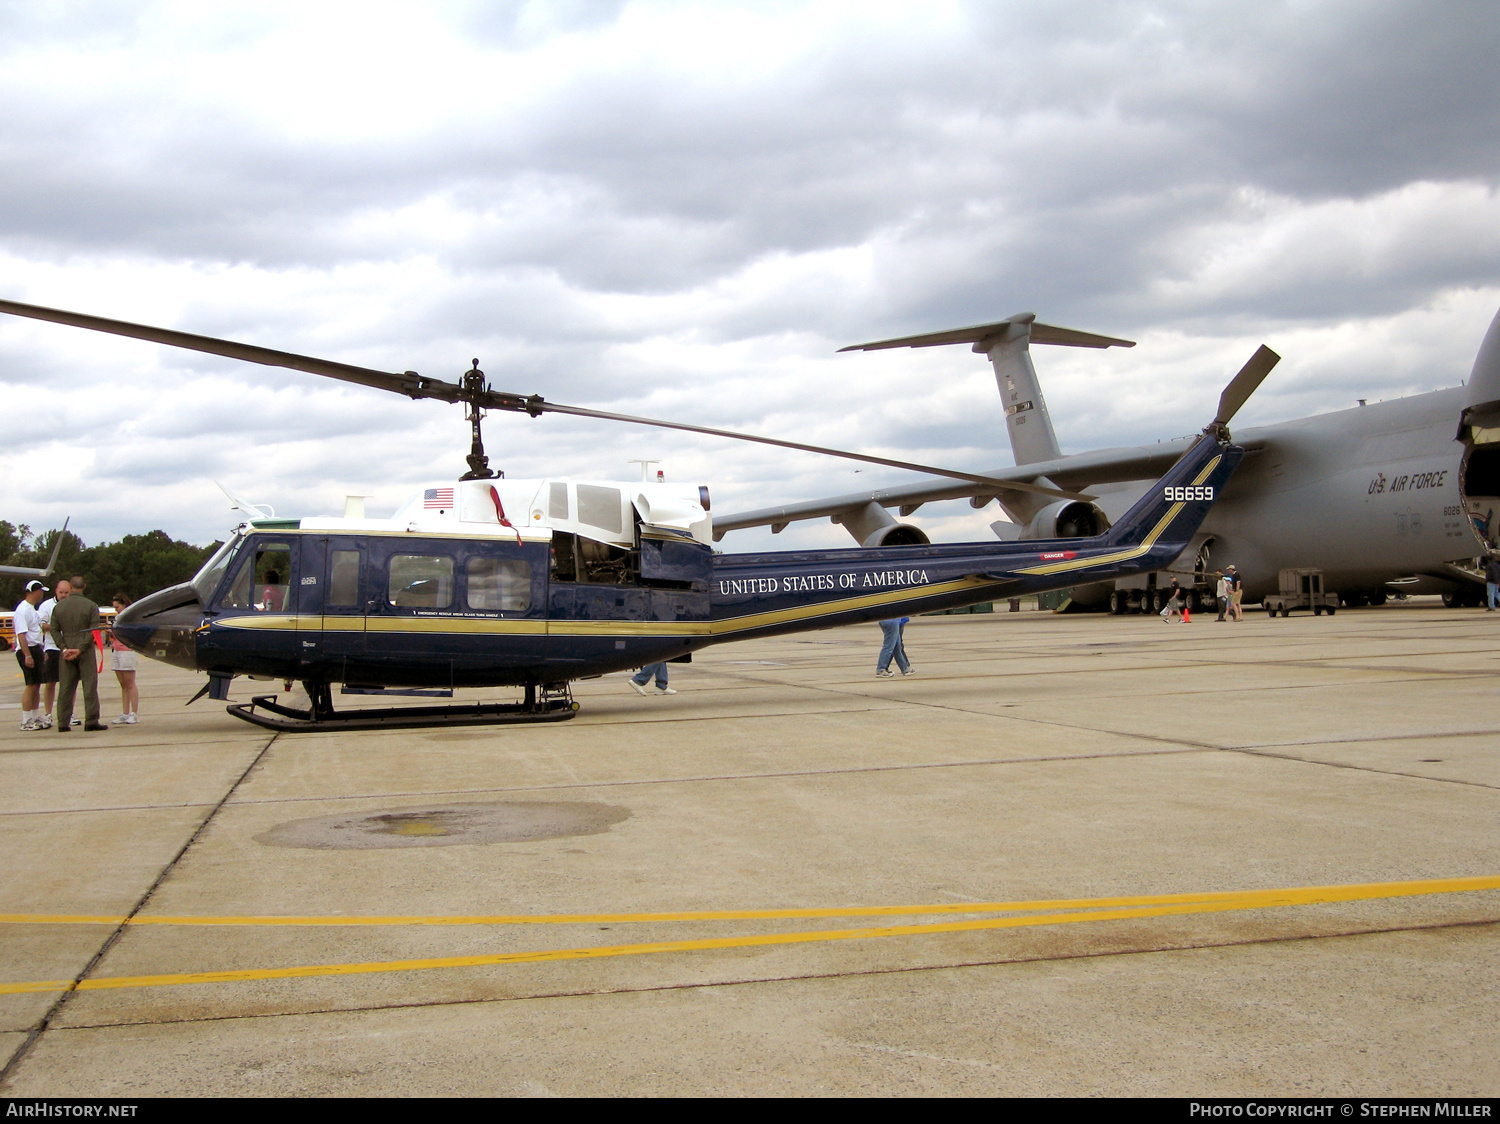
(408, 383)
(1244, 384)
(539, 406)
(414, 385)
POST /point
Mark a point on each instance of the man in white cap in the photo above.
(29, 653)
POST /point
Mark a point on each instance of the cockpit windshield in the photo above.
(208, 578)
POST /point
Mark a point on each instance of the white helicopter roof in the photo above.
(603, 510)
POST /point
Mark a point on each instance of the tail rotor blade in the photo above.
(1251, 375)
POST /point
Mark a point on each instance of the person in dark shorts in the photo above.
(29, 653)
(51, 651)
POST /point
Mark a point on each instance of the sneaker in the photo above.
(130, 720)
(884, 673)
(45, 723)
(665, 691)
(78, 721)
(909, 670)
(638, 688)
(119, 721)
(30, 724)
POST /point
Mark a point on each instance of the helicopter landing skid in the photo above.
(264, 710)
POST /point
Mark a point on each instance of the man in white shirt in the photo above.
(29, 653)
(51, 653)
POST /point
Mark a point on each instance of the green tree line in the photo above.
(136, 565)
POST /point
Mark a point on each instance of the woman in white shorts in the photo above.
(123, 660)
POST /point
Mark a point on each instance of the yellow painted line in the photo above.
(1296, 895)
(1164, 905)
(1226, 902)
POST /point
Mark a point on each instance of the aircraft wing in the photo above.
(32, 572)
(1076, 473)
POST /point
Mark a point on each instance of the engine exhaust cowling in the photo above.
(897, 534)
(1067, 519)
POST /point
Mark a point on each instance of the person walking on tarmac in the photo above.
(1236, 592)
(1177, 605)
(74, 623)
(1491, 581)
(639, 680)
(892, 647)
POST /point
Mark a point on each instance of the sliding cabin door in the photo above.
(342, 604)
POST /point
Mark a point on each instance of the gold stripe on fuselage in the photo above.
(447, 626)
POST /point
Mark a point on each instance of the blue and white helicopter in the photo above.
(487, 582)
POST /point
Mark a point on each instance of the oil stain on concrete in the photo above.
(447, 825)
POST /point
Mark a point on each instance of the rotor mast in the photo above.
(473, 387)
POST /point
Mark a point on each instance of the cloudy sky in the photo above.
(685, 209)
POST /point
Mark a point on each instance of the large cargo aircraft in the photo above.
(1391, 496)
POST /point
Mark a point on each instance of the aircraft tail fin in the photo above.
(1171, 511)
(1007, 343)
(56, 548)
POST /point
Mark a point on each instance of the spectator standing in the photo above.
(1491, 581)
(74, 623)
(1236, 593)
(124, 662)
(893, 646)
(29, 653)
(1221, 595)
(51, 652)
(639, 680)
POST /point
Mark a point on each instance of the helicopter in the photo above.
(488, 582)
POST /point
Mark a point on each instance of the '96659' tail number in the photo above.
(1187, 494)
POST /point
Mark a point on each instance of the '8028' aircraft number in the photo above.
(1187, 493)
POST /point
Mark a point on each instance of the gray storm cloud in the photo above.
(681, 210)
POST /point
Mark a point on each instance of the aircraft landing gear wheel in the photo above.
(1270, 610)
(1117, 602)
(1317, 610)
(1330, 610)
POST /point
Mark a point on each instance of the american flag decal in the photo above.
(438, 498)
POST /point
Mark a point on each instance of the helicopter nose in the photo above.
(163, 626)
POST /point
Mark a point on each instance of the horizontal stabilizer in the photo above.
(979, 333)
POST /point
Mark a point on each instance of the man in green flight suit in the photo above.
(73, 624)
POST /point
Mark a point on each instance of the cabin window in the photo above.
(499, 585)
(599, 507)
(343, 578)
(263, 580)
(421, 581)
(557, 501)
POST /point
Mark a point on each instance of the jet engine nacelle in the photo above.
(897, 534)
(1067, 519)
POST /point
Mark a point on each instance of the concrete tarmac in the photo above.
(1030, 758)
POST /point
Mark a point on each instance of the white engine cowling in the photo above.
(897, 534)
(1067, 519)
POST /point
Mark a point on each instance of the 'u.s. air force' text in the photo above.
(811, 583)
